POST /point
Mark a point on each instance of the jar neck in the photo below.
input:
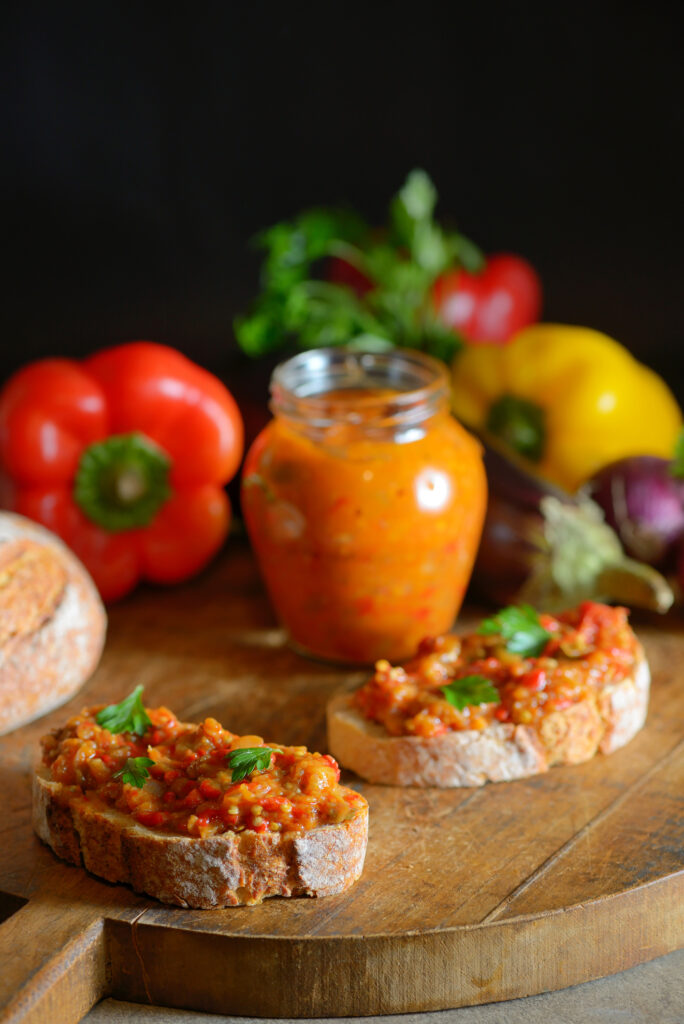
(390, 394)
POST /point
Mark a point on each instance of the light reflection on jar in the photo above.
(432, 489)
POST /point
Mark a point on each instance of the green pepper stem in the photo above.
(122, 482)
(520, 424)
(636, 585)
(130, 486)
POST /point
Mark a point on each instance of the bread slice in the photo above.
(500, 752)
(230, 869)
(52, 622)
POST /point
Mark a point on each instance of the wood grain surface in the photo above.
(467, 896)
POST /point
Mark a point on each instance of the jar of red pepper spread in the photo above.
(364, 501)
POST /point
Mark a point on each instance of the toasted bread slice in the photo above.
(500, 752)
(207, 819)
(230, 869)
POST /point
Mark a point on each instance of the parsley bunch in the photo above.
(297, 305)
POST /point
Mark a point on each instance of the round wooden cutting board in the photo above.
(467, 896)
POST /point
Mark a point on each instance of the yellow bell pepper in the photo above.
(568, 399)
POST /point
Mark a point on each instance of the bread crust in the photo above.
(47, 658)
(231, 869)
(499, 753)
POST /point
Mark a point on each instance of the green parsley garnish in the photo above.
(127, 716)
(520, 628)
(245, 760)
(298, 305)
(134, 772)
(470, 691)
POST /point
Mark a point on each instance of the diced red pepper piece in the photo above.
(534, 680)
(209, 789)
(153, 819)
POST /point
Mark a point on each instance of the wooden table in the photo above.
(468, 896)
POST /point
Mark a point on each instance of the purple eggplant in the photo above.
(553, 549)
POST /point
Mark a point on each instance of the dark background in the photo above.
(143, 149)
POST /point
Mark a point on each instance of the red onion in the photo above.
(643, 503)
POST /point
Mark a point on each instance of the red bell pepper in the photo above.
(491, 306)
(124, 456)
(485, 308)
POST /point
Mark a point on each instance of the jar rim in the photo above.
(300, 385)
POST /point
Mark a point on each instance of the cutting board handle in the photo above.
(54, 962)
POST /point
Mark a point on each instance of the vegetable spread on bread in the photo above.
(203, 817)
(524, 692)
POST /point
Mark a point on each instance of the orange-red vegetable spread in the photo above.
(589, 647)
(366, 538)
(189, 789)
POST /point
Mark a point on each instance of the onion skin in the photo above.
(644, 504)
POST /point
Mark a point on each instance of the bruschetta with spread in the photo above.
(522, 693)
(193, 814)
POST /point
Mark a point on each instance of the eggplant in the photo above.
(552, 549)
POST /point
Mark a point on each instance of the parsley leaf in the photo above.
(470, 691)
(134, 772)
(245, 760)
(432, 249)
(292, 246)
(127, 716)
(416, 200)
(520, 628)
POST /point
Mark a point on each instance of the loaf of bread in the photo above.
(52, 622)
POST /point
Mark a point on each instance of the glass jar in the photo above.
(364, 501)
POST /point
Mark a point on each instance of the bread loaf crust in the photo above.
(230, 869)
(46, 658)
(499, 753)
